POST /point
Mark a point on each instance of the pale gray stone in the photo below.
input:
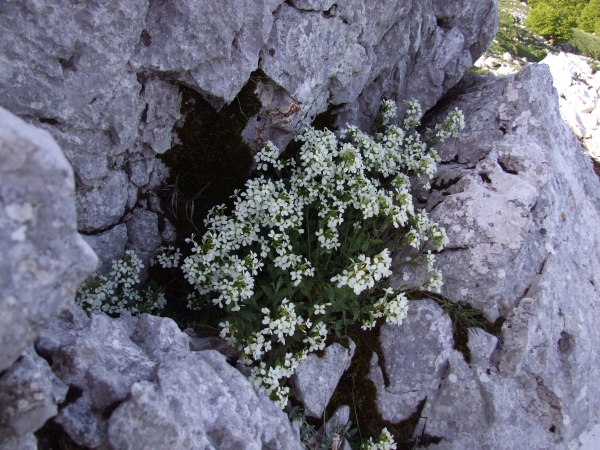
(218, 66)
(43, 257)
(83, 423)
(324, 52)
(104, 204)
(104, 79)
(198, 402)
(141, 387)
(168, 234)
(481, 346)
(102, 361)
(316, 377)
(163, 102)
(109, 246)
(29, 393)
(61, 330)
(416, 355)
(27, 442)
(157, 336)
(144, 236)
(521, 213)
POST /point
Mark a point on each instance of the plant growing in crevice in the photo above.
(307, 248)
(120, 291)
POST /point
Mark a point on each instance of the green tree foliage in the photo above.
(554, 19)
(549, 22)
(589, 19)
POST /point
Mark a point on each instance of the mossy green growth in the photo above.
(585, 44)
(515, 39)
(359, 393)
(479, 71)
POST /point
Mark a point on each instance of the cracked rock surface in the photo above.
(141, 387)
(43, 257)
(316, 378)
(520, 203)
(103, 77)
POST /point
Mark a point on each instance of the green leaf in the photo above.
(268, 291)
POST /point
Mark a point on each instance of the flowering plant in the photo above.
(307, 248)
(119, 292)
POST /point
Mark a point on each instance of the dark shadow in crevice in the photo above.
(53, 437)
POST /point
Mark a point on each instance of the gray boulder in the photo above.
(43, 257)
(520, 203)
(351, 53)
(416, 355)
(317, 377)
(109, 245)
(105, 79)
(142, 387)
(29, 393)
(27, 442)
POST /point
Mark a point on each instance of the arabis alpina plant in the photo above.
(119, 292)
(307, 247)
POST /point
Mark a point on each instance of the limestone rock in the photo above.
(199, 401)
(29, 393)
(43, 257)
(27, 442)
(141, 387)
(103, 205)
(416, 354)
(144, 237)
(520, 203)
(109, 246)
(322, 52)
(316, 378)
(104, 78)
(579, 97)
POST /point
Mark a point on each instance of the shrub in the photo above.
(585, 44)
(307, 248)
(553, 23)
(589, 19)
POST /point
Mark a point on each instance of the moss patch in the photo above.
(463, 317)
(360, 393)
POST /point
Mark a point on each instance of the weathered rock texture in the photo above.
(416, 356)
(141, 388)
(316, 378)
(353, 52)
(521, 204)
(103, 76)
(579, 97)
(43, 257)
(29, 393)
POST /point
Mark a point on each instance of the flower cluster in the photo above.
(167, 257)
(394, 309)
(453, 124)
(307, 242)
(385, 441)
(118, 292)
(363, 274)
(388, 111)
(268, 377)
